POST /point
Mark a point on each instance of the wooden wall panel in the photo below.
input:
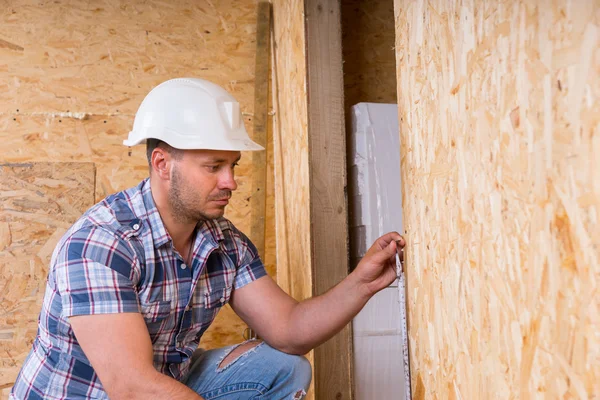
(73, 73)
(499, 109)
(38, 203)
(103, 57)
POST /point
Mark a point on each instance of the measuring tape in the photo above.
(402, 295)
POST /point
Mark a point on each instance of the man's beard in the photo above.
(181, 200)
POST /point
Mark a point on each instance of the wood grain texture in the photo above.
(72, 85)
(291, 149)
(73, 73)
(103, 57)
(290, 137)
(261, 115)
(327, 169)
(38, 203)
(499, 109)
(310, 169)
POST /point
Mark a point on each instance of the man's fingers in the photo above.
(386, 253)
(390, 237)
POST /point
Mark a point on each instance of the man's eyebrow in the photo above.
(222, 160)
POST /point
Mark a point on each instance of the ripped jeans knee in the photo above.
(250, 370)
(299, 395)
(238, 352)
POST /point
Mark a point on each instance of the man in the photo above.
(138, 279)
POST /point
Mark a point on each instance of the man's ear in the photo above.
(161, 163)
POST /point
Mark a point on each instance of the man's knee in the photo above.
(239, 351)
(302, 372)
(300, 369)
(303, 367)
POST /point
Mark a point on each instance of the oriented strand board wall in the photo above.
(38, 203)
(73, 73)
(500, 128)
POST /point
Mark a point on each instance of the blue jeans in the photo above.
(260, 373)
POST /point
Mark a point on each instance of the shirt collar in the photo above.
(209, 229)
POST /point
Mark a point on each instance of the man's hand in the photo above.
(377, 269)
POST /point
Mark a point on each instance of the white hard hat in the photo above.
(191, 113)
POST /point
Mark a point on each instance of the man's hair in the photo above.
(152, 144)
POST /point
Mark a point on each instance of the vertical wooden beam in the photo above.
(327, 168)
(290, 145)
(290, 125)
(310, 170)
(261, 110)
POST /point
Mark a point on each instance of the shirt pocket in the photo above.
(205, 312)
(217, 298)
(159, 316)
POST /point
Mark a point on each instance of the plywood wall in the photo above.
(72, 75)
(38, 202)
(500, 128)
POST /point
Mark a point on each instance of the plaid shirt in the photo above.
(119, 258)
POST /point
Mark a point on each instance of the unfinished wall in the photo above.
(39, 201)
(73, 73)
(500, 128)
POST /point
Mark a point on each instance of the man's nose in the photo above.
(227, 181)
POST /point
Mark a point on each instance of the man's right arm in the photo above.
(120, 351)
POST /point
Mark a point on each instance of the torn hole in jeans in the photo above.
(299, 395)
(221, 368)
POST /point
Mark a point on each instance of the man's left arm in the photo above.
(297, 327)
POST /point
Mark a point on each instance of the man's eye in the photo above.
(213, 168)
(234, 165)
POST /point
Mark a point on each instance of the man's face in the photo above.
(201, 184)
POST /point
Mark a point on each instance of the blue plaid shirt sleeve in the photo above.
(95, 274)
(251, 266)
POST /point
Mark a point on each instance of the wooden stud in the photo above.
(261, 111)
(327, 168)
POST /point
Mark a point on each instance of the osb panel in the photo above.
(39, 201)
(96, 138)
(368, 51)
(73, 73)
(102, 57)
(500, 123)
